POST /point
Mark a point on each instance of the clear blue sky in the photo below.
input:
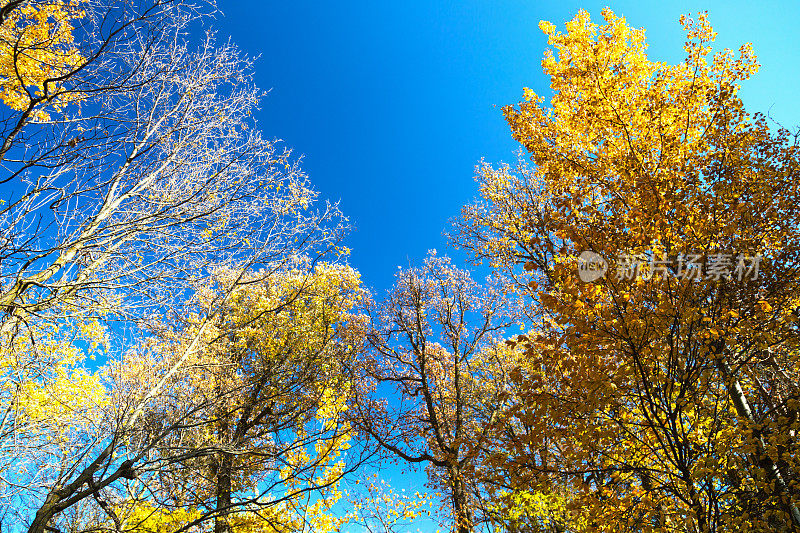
(393, 103)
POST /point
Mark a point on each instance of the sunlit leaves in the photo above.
(639, 395)
(267, 394)
(36, 49)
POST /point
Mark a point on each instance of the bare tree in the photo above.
(436, 340)
(152, 173)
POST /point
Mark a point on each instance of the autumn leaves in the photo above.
(245, 375)
(641, 389)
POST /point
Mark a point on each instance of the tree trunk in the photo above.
(224, 489)
(222, 471)
(461, 512)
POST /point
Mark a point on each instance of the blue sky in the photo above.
(393, 103)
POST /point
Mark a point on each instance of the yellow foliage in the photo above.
(144, 518)
(275, 347)
(632, 393)
(48, 390)
(36, 49)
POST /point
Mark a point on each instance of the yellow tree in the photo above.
(37, 49)
(258, 430)
(50, 401)
(656, 238)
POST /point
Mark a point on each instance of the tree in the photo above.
(152, 173)
(433, 341)
(132, 169)
(668, 401)
(663, 393)
(50, 401)
(256, 415)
